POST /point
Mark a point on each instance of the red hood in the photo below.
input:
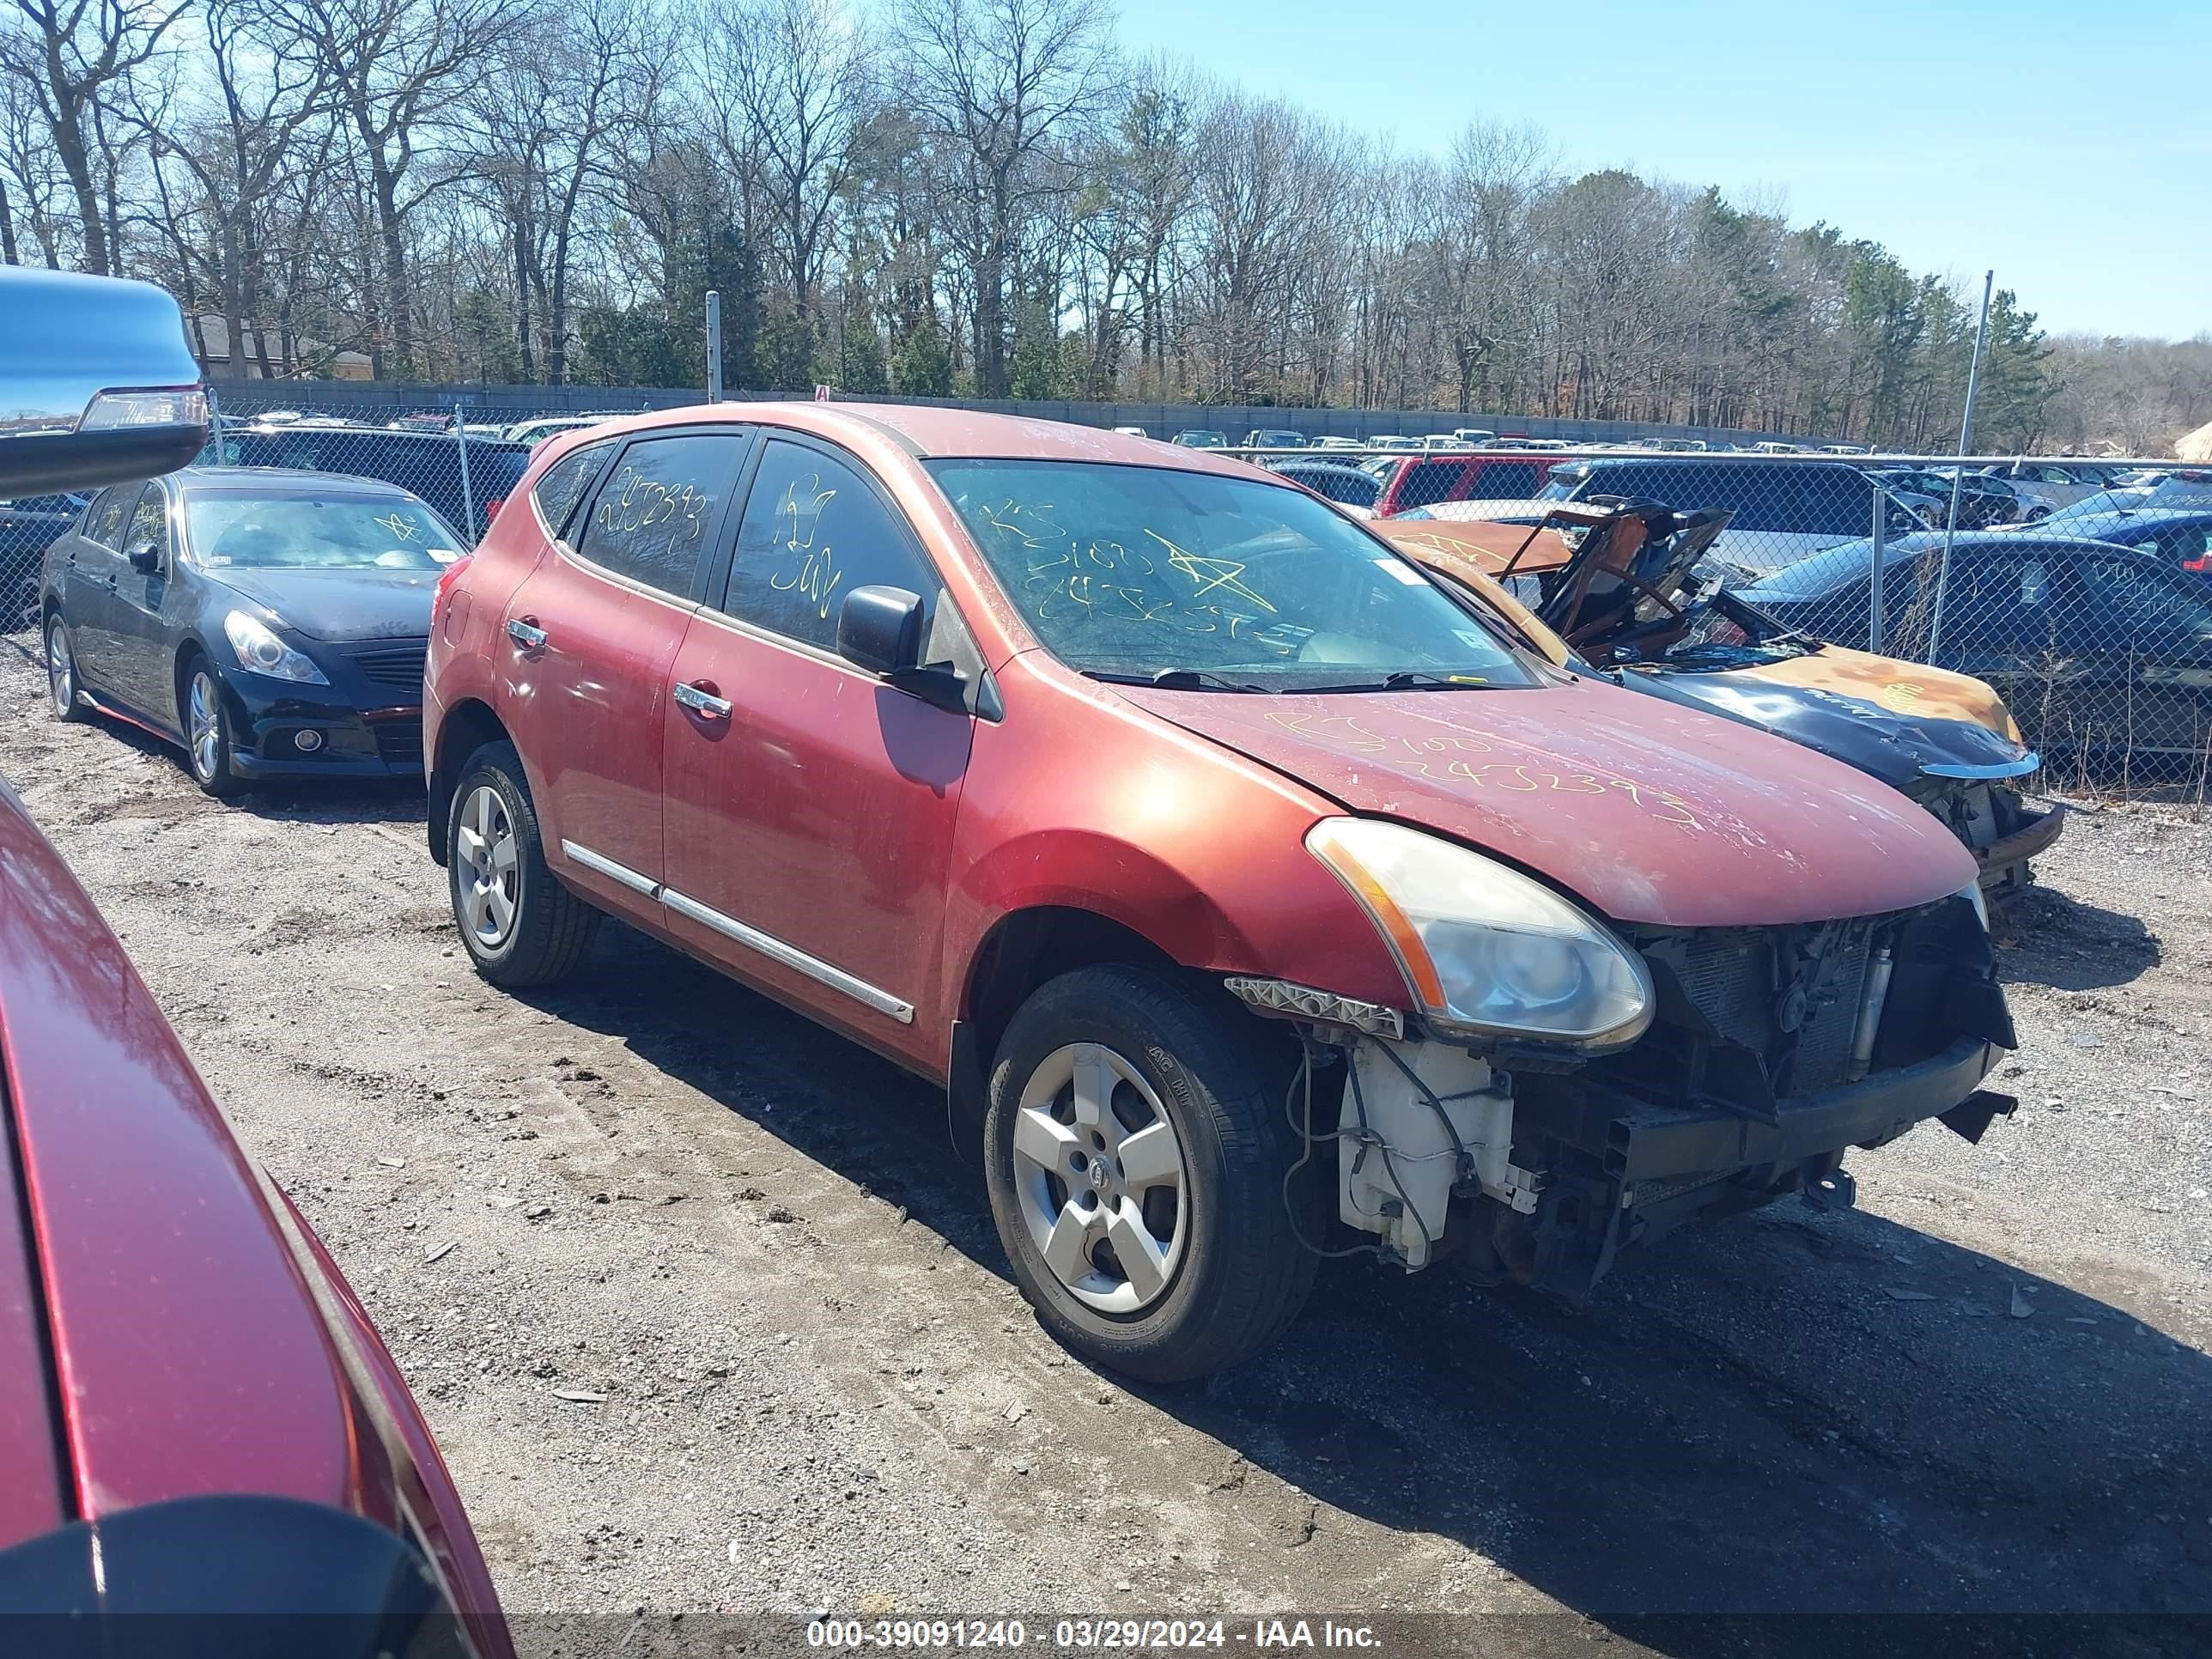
(1651, 813)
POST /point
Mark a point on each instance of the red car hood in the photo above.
(1650, 813)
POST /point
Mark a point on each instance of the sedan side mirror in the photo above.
(880, 628)
(146, 556)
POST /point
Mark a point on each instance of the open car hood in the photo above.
(1897, 720)
(1651, 813)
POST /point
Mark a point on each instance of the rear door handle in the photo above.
(701, 700)
(526, 635)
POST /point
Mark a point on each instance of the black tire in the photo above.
(72, 705)
(550, 929)
(1221, 1074)
(210, 771)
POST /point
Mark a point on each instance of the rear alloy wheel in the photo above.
(61, 671)
(207, 733)
(522, 926)
(1136, 1153)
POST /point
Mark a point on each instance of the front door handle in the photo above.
(701, 700)
(524, 633)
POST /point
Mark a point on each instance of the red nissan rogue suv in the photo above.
(1243, 888)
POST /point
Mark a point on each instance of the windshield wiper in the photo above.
(1178, 679)
(1404, 679)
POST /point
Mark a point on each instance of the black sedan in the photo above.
(2094, 646)
(272, 623)
(1346, 485)
(28, 526)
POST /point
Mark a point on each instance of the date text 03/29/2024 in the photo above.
(1092, 1635)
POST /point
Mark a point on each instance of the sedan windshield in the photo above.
(1150, 573)
(349, 532)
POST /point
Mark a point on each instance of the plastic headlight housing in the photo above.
(1972, 892)
(1486, 950)
(260, 650)
(112, 411)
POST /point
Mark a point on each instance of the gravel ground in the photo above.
(1986, 1389)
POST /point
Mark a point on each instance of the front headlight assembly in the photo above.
(1486, 951)
(260, 650)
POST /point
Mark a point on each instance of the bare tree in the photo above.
(999, 81)
(797, 76)
(71, 53)
(397, 69)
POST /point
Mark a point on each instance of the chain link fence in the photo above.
(2079, 590)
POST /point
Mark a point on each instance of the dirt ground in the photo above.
(1984, 1390)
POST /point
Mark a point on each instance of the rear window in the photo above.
(1427, 483)
(1508, 480)
(563, 484)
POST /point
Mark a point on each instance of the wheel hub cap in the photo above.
(1100, 1178)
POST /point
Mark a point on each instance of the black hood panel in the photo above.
(1898, 748)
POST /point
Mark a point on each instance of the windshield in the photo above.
(350, 531)
(1142, 572)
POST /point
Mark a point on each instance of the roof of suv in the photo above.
(927, 432)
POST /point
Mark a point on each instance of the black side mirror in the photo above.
(145, 555)
(880, 628)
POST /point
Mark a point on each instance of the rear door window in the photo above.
(654, 519)
(815, 529)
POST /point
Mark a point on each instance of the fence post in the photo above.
(713, 346)
(1959, 473)
(1880, 540)
(461, 444)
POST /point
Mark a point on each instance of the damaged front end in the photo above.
(1770, 1052)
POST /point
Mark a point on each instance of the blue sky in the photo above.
(2069, 147)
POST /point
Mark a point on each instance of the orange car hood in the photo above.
(1651, 812)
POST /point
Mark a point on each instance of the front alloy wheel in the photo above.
(207, 734)
(1146, 1183)
(61, 671)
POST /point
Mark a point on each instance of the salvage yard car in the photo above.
(1236, 880)
(2099, 647)
(1621, 594)
(273, 623)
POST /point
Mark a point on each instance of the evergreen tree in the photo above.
(924, 368)
(862, 371)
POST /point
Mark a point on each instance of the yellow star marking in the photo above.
(1210, 573)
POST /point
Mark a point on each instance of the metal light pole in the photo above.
(713, 346)
(1959, 473)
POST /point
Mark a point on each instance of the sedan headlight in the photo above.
(261, 651)
(1486, 950)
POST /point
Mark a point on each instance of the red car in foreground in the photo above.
(1235, 877)
(196, 1416)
